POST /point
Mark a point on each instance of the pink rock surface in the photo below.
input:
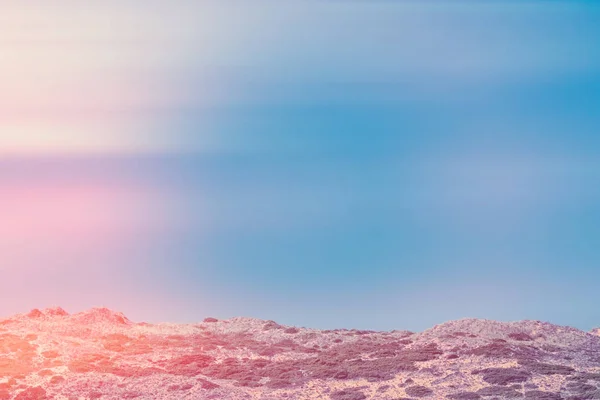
(101, 354)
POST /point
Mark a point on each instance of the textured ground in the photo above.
(100, 354)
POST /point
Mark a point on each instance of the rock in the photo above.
(100, 353)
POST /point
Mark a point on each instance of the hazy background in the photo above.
(367, 164)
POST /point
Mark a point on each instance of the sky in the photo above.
(329, 164)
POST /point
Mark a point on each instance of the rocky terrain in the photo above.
(100, 354)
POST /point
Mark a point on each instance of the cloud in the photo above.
(122, 75)
(97, 78)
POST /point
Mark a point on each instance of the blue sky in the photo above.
(382, 165)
